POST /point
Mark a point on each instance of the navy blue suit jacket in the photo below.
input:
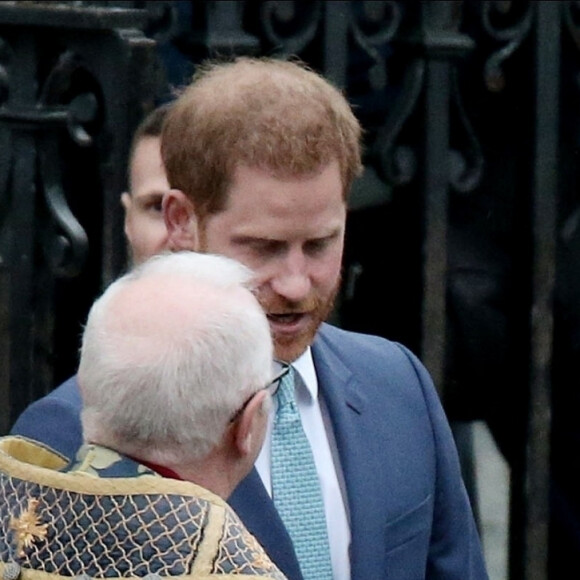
(410, 517)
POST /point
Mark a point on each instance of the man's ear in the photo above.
(126, 202)
(180, 221)
(249, 425)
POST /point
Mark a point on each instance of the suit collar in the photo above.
(335, 380)
(347, 403)
(254, 506)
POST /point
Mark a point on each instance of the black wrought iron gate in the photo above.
(463, 234)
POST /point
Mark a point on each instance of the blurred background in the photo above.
(463, 237)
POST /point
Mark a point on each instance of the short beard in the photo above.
(290, 350)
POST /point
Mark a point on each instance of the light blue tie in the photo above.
(296, 488)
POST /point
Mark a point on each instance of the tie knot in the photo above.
(285, 392)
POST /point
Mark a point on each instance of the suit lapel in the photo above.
(346, 402)
(252, 503)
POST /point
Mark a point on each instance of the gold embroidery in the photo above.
(27, 527)
(259, 558)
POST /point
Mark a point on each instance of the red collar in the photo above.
(160, 469)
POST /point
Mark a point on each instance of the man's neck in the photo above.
(211, 473)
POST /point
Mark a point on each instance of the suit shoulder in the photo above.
(369, 356)
(65, 396)
(67, 392)
(54, 419)
(350, 344)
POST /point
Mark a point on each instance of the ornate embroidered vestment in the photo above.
(112, 517)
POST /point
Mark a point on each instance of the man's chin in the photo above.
(288, 349)
(289, 346)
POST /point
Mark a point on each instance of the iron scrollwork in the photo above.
(466, 165)
(437, 39)
(494, 16)
(375, 27)
(290, 26)
(67, 249)
(397, 162)
(163, 22)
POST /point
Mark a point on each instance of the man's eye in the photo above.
(316, 246)
(269, 247)
(154, 206)
(261, 247)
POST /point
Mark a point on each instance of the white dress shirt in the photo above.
(316, 424)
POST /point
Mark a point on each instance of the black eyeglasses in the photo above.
(272, 388)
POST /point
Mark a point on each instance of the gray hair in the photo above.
(170, 351)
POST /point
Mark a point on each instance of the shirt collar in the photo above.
(304, 366)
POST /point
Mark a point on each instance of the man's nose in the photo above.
(292, 280)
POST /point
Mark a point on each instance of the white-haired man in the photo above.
(176, 376)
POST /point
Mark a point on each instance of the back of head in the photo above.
(266, 113)
(170, 351)
(150, 126)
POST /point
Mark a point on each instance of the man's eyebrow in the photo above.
(250, 239)
(334, 233)
(150, 194)
(337, 231)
